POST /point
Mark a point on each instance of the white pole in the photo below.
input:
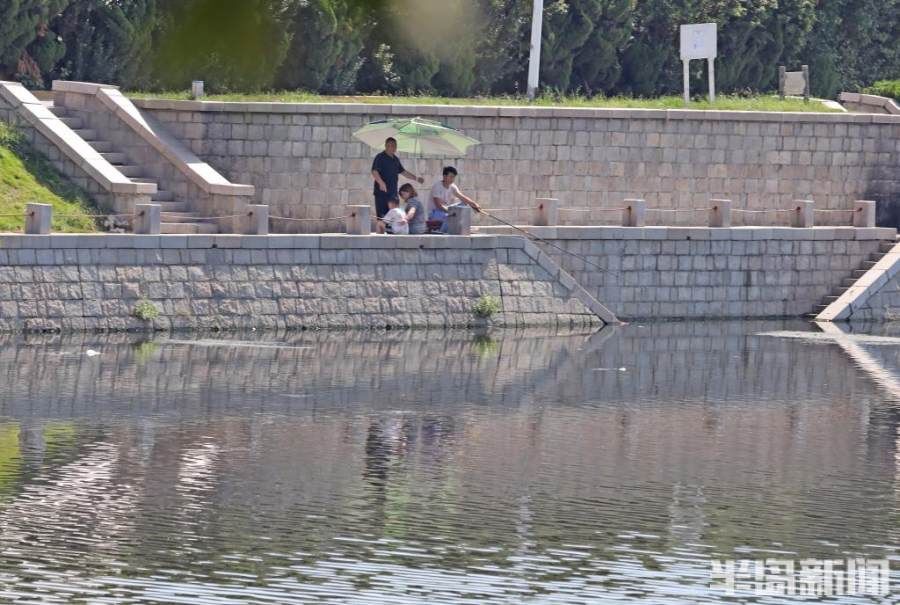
(712, 79)
(534, 61)
(687, 80)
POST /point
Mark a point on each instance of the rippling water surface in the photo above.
(365, 467)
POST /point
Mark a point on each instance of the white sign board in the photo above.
(698, 41)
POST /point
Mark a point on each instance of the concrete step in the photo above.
(188, 228)
(114, 157)
(178, 217)
(819, 308)
(141, 179)
(868, 264)
(830, 299)
(73, 122)
(162, 195)
(858, 273)
(88, 134)
(877, 256)
(130, 170)
(166, 207)
(101, 146)
(887, 246)
(847, 283)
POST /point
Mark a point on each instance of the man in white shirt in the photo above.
(444, 194)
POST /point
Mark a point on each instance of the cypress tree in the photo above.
(328, 37)
(22, 23)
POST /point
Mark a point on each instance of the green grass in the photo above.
(26, 176)
(723, 102)
(885, 88)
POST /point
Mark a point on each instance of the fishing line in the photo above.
(539, 239)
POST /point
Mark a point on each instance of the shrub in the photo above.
(486, 306)
(145, 310)
(885, 88)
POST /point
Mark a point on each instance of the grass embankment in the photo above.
(722, 103)
(26, 176)
(885, 88)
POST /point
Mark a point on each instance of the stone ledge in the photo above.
(493, 111)
(702, 233)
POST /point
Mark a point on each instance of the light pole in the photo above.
(534, 60)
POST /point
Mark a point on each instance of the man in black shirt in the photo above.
(386, 169)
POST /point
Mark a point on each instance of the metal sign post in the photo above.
(698, 41)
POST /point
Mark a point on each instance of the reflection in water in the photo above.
(438, 467)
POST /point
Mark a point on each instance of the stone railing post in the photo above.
(635, 213)
(256, 222)
(720, 213)
(803, 214)
(459, 220)
(359, 220)
(864, 213)
(38, 218)
(547, 212)
(146, 219)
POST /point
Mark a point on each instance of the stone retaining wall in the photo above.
(94, 281)
(659, 272)
(304, 162)
(298, 281)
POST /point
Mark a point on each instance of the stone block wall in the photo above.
(305, 163)
(94, 281)
(682, 272)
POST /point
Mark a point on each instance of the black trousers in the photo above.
(381, 203)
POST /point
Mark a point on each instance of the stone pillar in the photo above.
(256, 222)
(359, 220)
(803, 214)
(459, 220)
(146, 219)
(864, 213)
(547, 212)
(635, 213)
(720, 213)
(38, 218)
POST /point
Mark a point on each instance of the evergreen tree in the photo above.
(328, 37)
(24, 23)
(230, 44)
(597, 68)
(108, 41)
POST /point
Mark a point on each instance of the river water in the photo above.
(432, 467)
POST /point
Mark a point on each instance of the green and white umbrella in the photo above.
(416, 136)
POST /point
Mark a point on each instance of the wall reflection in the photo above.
(278, 457)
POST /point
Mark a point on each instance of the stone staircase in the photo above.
(175, 214)
(848, 282)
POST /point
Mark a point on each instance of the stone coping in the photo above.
(703, 233)
(196, 170)
(76, 149)
(493, 111)
(488, 237)
(883, 103)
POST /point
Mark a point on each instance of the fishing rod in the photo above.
(541, 240)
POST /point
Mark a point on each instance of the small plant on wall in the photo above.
(145, 310)
(486, 307)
